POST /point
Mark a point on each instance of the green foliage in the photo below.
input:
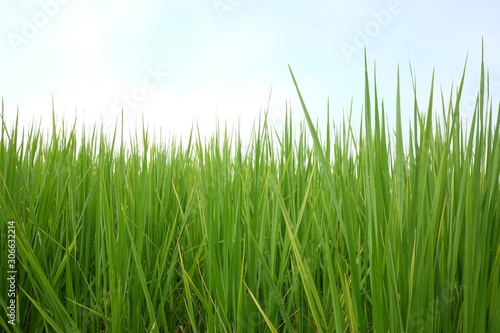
(354, 233)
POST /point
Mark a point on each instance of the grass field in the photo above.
(340, 231)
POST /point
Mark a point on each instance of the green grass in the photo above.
(302, 232)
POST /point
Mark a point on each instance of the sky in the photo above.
(176, 63)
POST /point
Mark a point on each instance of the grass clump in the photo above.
(351, 233)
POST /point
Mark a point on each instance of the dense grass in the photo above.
(350, 232)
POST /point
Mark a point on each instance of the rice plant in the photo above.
(304, 231)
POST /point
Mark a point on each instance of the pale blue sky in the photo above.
(179, 61)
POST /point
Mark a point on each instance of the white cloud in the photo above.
(178, 112)
(83, 38)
